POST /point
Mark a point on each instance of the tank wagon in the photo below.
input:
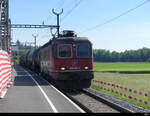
(67, 61)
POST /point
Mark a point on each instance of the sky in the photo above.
(128, 32)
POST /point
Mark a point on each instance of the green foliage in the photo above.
(23, 49)
(141, 55)
(148, 60)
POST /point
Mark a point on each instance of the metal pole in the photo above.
(35, 36)
(58, 26)
(0, 24)
(4, 24)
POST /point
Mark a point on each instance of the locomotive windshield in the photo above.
(83, 50)
(65, 51)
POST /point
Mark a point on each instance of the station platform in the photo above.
(31, 93)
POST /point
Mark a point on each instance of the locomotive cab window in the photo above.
(83, 51)
(65, 51)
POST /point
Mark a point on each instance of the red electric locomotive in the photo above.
(67, 61)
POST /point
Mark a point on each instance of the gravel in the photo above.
(131, 107)
(94, 105)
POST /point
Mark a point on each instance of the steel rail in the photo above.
(108, 102)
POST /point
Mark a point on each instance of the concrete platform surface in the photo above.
(31, 93)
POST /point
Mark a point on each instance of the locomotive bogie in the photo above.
(76, 85)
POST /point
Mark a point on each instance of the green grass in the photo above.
(139, 80)
(122, 67)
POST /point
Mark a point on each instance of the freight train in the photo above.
(67, 61)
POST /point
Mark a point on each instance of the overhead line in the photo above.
(69, 12)
(115, 18)
(60, 3)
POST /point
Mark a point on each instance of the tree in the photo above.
(140, 55)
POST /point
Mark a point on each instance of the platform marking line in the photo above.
(46, 97)
(82, 111)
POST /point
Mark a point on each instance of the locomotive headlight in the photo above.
(63, 69)
(86, 68)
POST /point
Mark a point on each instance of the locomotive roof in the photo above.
(73, 38)
(67, 40)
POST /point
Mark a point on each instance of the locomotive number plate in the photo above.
(74, 68)
(74, 62)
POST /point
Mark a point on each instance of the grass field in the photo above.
(122, 67)
(131, 75)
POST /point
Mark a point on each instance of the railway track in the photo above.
(89, 103)
(93, 101)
